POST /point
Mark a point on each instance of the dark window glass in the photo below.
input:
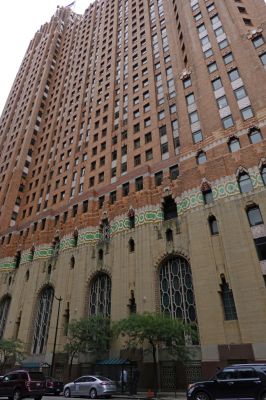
(234, 145)
(201, 158)
(255, 136)
(260, 244)
(228, 302)
(174, 172)
(254, 216)
(228, 58)
(139, 183)
(207, 197)
(169, 208)
(158, 178)
(213, 225)
(217, 84)
(263, 175)
(245, 184)
(258, 41)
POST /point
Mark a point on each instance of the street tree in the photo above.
(148, 331)
(11, 351)
(88, 334)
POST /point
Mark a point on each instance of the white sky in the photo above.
(20, 19)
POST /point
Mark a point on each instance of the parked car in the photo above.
(92, 386)
(53, 386)
(238, 381)
(19, 384)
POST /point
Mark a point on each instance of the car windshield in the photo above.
(37, 376)
(102, 378)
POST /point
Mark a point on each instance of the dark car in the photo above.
(19, 384)
(238, 381)
(92, 385)
(53, 386)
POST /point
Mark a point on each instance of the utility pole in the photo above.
(55, 337)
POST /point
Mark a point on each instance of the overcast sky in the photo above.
(20, 19)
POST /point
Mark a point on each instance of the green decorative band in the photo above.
(7, 264)
(224, 188)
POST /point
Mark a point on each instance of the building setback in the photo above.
(133, 166)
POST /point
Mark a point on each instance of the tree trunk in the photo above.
(70, 366)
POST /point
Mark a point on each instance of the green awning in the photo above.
(113, 361)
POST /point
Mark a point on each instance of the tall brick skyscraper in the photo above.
(133, 172)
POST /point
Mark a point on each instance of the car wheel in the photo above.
(67, 393)
(38, 398)
(93, 394)
(16, 394)
(201, 396)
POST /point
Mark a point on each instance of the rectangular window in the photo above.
(228, 58)
(125, 189)
(139, 183)
(260, 244)
(217, 84)
(158, 178)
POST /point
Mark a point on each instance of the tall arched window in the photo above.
(4, 307)
(228, 301)
(263, 174)
(244, 183)
(169, 208)
(42, 321)
(100, 296)
(176, 290)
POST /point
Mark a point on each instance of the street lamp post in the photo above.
(55, 337)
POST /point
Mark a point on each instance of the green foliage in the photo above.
(88, 334)
(143, 330)
(10, 350)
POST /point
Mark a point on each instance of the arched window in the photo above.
(131, 245)
(169, 208)
(254, 216)
(228, 301)
(263, 174)
(4, 307)
(42, 321)
(244, 183)
(72, 262)
(27, 275)
(100, 255)
(234, 144)
(207, 196)
(17, 259)
(32, 251)
(255, 136)
(75, 238)
(213, 225)
(100, 296)
(132, 222)
(56, 246)
(201, 157)
(176, 290)
(169, 235)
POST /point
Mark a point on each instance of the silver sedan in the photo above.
(90, 385)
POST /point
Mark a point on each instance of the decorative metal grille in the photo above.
(100, 296)
(4, 307)
(168, 376)
(42, 322)
(176, 290)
